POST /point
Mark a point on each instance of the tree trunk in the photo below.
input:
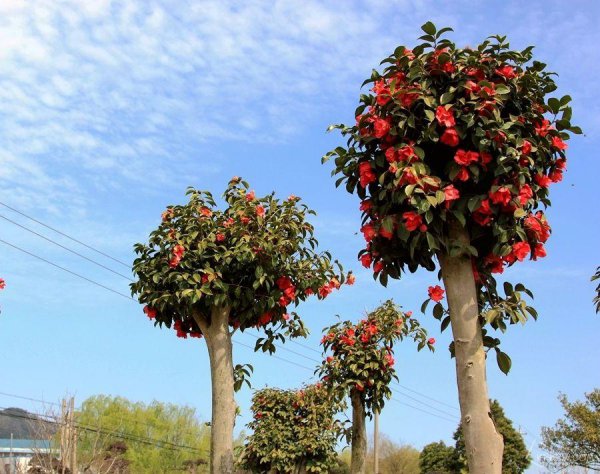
(359, 434)
(218, 342)
(484, 445)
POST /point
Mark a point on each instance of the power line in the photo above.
(65, 248)
(67, 270)
(127, 265)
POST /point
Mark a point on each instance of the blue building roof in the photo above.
(24, 444)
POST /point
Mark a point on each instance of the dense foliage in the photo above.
(436, 458)
(362, 354)
(292, 428)
(257, 257)
(575, 439)
(180, 437)
(457, 134)
(515, 459)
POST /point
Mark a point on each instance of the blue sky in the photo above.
(109, 109)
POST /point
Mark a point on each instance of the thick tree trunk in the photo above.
(359, 434)
(218, 342)
(484, 445)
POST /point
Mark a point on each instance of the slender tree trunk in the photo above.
(359, 434)
(484, 445)
(218, 342)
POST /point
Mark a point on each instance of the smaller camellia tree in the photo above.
(293, 431)
(208, 272)
(361, 365)
(452, 157)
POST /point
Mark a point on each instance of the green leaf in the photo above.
(503, 360)
(446, 98)
(429, 28)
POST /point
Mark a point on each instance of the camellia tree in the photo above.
(293, 431)
(361, 365)
(452, 156)
(208, 272)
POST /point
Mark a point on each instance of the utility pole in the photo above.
(11, 468)
(73, 437)
(63, 435)
(376, 443)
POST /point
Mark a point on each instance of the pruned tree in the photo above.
(437, 458)
(293, 431)
(574, 441)
(361, 365)
(452, 157)
(208, 272)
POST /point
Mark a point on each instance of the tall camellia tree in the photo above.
(362, 365)
(452, 156)
(208, 272)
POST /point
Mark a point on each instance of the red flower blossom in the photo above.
(436, 293)
(542, 180)
(520, 250)
(486, 158)
(378, 266)
(220, 237)
(260, 211)
(431, 341)
(501, 196)
(205, 211)
(150, 312)
(250, 196)
(228, 222)
(462, 175)
(472, 87)
(368, 231)
(451, 194)
(477, 73)
(526, 148)
(389, 359)
(450, 137)
(386, 234)
(407, 154)
(350, 279)
(264, 319)
(506, 71)
(382, 91)
(408, 177)
(360, 387)
(381, 127)
(494, 263)
(465, 158)
(412, 220)
(2, 284)
(558, 143)
(555, 176)
(525, 194)
(537, 227)
(542, 128)
(445, 116)
(366, 205)
(561, 164)
(366, 260)
(167, 215)
(483, 214)
(245, 220)
(539, 251)
(366, 174)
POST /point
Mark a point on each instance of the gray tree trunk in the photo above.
(359, 434)
(218, 342)
(484, 445)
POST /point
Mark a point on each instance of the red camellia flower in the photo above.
(366, 174)
(494, 263)
(483, 214)
(260, 211)
(228, 222)
(520, 250)
(381, 127)
(386, 234)
(366, 205)
(389, 359)
(542, 181)
(526, 148)
(462, 175)
(501, 196)
(445, 116)
(525, 194)
(350, 279)
(205, 212)
(368, 231)
(451, 194)
(558, 143)
(250, 196)
(2, 284)
(220, 237)
(537, 226)
(506, 71)
(450, 137)
(465, 158)
(542, 128)
(539, 251)
(245, 220)
(366, 260)
(431, 341)
(407, 154)
(359, 386)
(555, 176)
(378, 266)
(436, 293)
(150, 312)
(412, 220)
(167, 215)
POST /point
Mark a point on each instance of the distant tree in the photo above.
(293, 431)
(575, 439)
(437, 458)
(361, 365)
(597, 297)
(516, 458)
(395, 458)
(114, 431)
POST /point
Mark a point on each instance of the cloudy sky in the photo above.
(109, 109)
